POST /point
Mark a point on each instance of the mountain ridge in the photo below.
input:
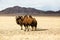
(24, 10)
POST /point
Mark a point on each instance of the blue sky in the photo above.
(38, 4)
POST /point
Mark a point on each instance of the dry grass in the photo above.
(48, 29)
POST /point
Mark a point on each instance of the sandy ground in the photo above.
(48, 29)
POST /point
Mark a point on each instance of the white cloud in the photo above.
(38, 4)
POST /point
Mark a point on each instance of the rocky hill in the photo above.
(31, 11)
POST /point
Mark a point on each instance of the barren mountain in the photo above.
(24, 10)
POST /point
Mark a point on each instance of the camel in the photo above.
(33, 23)
(19, 20)
(27, 21)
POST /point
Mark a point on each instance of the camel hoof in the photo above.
(32, 30)
(21, 29)
(24, 30)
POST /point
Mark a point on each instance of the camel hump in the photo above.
(30, 20)
(25, 19)
(34, 19)
(30, 16)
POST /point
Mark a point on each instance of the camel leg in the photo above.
(25, 28)
(32, 28)
(28, 28)
(35, 27)
(21, 27)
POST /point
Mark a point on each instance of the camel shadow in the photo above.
(41, 29)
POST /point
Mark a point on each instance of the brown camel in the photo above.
(19, 20)
(26, 21)
(33, 23)
(29, 21)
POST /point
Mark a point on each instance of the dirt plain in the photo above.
(48, 28)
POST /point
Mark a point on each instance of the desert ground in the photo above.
(48, 28)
